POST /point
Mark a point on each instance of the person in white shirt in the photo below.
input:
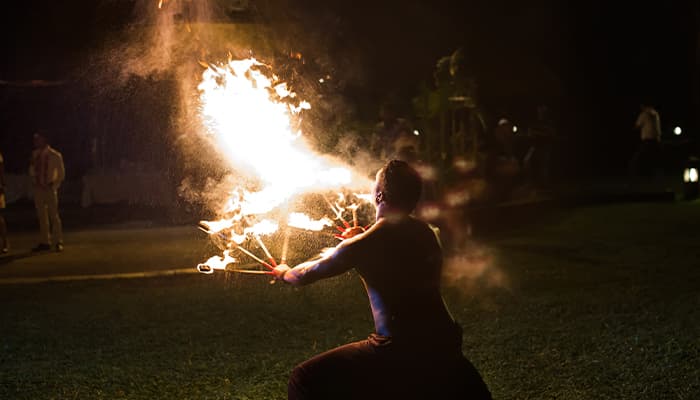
(649, 124)
(47, 172)
(646, 158)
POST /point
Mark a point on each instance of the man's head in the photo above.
(397, 186)
(40, 140)
(646, 103)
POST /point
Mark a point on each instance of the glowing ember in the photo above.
(216, 262)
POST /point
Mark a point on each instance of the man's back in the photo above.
(401, 263)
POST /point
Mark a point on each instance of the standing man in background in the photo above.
(47, 172)
(646, 159)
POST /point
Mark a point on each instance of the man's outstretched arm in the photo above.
(345, 257)
(311, 271)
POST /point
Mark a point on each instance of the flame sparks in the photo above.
(246, 112)
(264, 227)
(216, 262)
(252, 117)
(303, 221)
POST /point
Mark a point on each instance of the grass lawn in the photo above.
(593, 303)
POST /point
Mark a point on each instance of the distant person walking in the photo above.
(3, 227)
(646, 158)
(538, 160)
(47, 172)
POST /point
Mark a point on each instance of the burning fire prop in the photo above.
(250, 113)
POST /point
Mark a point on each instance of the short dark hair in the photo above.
(42, 133)
(400, 185)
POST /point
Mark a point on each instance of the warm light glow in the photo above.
(368, 197)
(327, 252)
(253, 128)
(252, 117)
(430, 212)
(302, 221)
(217, 226)
(415, 132)
(216, 262)
(677, 130)
(426, 171)
(515, 129)
(456, 198)
(690, 175)
(264, 227)
(463, 165)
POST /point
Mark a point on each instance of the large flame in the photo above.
(251, 116)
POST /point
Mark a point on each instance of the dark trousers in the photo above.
(379, 368)
(646, 160)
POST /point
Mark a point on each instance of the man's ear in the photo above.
(379, 197)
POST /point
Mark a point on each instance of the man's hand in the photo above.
(350, 232)
(280, 270)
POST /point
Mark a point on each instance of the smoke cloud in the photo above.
(174, 40)
(472, 266)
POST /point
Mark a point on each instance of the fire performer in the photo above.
(416, 349)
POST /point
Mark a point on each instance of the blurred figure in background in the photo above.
(389, 132)
(3, 227)
(47, 172)
(542, 135)
(504, 133)
(646, 158)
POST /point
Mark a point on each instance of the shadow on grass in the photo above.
(493, 222)
(4, 260)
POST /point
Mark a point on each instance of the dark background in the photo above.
(592, 62)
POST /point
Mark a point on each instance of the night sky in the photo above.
(593, 62)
